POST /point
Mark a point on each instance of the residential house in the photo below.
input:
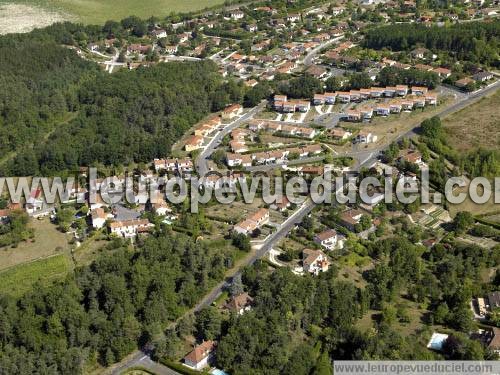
(232, 111)
(138, 48)
(366, 137)
(161, 208)
(293, 17)
(424, 67)
(159, 33)
(464, 82)
(431, 99)
(366, 112)
(238, 147)
(407, 104)
(355, 95)
(281, 204)
(442, 72)
(350, 218)
(194, 142)
(313, 149)
(410, 156)
(418, 102)
(317, 71)
(344, 97)
(492, 339)
(419, 53)
(234, 160)
(418, 90)
(303, 106)
(208, 126)
(395, 106)
(339, 133)
(314, 261)
(329, 97)
(377, 92)
(320, 38)
(34, 204)
(256, 220)
(482, 76)
(130, 228)
(99, 217)
(353, 115)
(236, 14)
(171, 50)
(365, 93)
(240, 303)
(251, 83)
(251, 27)
(401, 90)
(318, 99)
(200, 356)
(389, 91)
(383, 109)
(287, 67)
(329, 239)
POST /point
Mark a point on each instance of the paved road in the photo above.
(180, 58)
(364, 158)
(267, 245)
(139, 359)
(308, 60)
(369, 156)
(201, 163)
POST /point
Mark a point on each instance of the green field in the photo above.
(19, 279)
(99, 11)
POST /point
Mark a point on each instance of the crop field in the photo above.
(39, 13)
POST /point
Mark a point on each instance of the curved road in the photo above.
(201, 163)
(308, 60)
(364, 157)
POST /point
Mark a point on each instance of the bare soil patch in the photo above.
(476, 126)
(20, 18)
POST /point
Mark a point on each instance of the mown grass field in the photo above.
(19, 279)
(48, 241)
(99, 11)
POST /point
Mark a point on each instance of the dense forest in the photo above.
(58, 111)
(142, 112)
(390, 76)
(299, 323)
(477, 42)
(106, 309)
(39, 83)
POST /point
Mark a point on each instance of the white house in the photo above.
(314, 261)
(99, 218)
(129, 228)
(199, 357)
(366, 137)
(293, 17)
(329, 239)
(237, 14)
